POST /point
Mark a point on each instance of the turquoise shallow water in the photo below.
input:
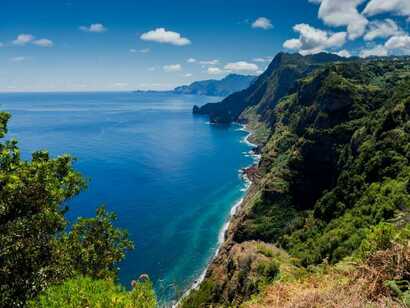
(172, 178)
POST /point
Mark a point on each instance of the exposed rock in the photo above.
(251, 173)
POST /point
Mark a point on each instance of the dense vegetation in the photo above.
(37, 249)
(268, 89)
(334, 166)
(337, 162)
(86, 292)
(377, 278)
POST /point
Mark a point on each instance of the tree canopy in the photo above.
(38, 247)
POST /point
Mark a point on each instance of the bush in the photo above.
(382, 237)
(36, 251)
(86, 292)
(95, 247)
(379, 237)
(201, 297)
(268, 270)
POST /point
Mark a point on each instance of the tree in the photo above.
(87, 292)
(35, 248)
(95, 246)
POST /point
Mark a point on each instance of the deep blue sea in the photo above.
(171, 177)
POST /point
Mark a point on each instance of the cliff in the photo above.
(276, 82)
(331, 198)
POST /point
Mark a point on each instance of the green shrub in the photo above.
(382, 237)
(268, 270)
(201, 297)
(265, 250)
(86, 292)
(36, 250)
(94, 247)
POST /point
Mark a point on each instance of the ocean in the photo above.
(171, 178)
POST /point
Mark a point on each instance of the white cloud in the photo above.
(343, 53)
(187, 75)
(23, 39)
(400, 43)
(18, 59)
(191, 60)
(382, 29)
(312, 40)
(95, 28)
(378, 51)
(339, 13)
(209, 62)
(399, 7)
(263, 60)
(172, 68)
(214, 71)
(145, 50)
(293, 44)
(152, 69)
(43, 43)
(161, 35)
(262, 23)
(242, 67)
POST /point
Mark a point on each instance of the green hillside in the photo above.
(333, 183)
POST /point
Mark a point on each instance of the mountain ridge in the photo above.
(273, 84)
(212, 87)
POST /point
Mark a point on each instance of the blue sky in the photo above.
(82, 45)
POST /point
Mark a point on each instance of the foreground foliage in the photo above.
(86, 292)
(36, 250)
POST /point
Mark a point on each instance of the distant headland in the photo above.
(230, 84)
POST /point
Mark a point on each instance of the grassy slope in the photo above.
(370, 280)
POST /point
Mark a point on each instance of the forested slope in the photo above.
(333, 185)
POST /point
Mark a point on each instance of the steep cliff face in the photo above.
(276, 82)
(336, 165)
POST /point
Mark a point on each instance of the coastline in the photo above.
(222, 237)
